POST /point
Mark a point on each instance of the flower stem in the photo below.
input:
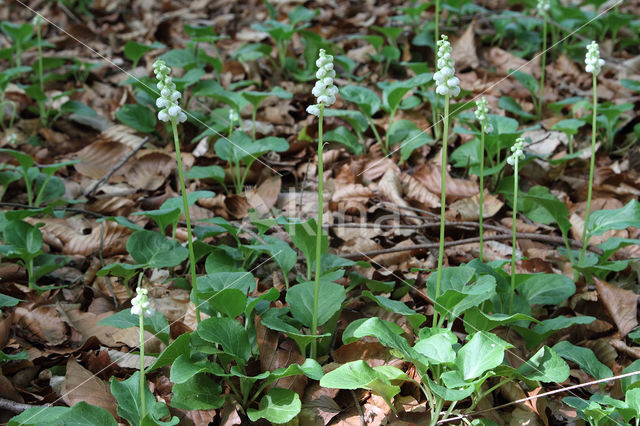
(437, 22)
(316, 289)
(443, 201)
(513, 233)
(187, 216)
(481, 204)
(544, 64)
(142, 376)
(591, 167)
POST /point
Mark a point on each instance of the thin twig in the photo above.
(358, 407)
(17, 407)
(506, 236)
(115, 168)
(553, 392)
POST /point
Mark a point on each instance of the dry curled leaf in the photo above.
(621, 304)
(81, 385)
(42, 323)
(430, 175)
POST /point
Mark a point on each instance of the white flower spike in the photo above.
(517, 152)
(446, 82)
(140, 304)
(482, 109)
(592, 59)
(324, 90)
(168, 100)
(543, 7)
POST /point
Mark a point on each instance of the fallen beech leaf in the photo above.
(415, 191)
(505, 61)
(390, 187)
(621, 304)
(44, 323)
(81, 385)
(60, 234)
(150, 170)
(430, 175)
(265, 196)
(350, 199)
(464, 49)
(469, 208)
(97, 159)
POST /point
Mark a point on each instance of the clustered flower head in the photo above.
(233, 115)
(482, 109)
(324, 90)
(446, 82)
(517, 152)
(140, 304)
(592, 59)
(169, 96)
(543, 7)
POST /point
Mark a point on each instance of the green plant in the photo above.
(256, 98)
(481, 115)
(141, 307)
(570, 127)
(21, 35)
(23, 241)
(514, 160)
(6, 77)
(543, 7)
(325, 92)
(172, 113)
(240, 150)
(282, 33)
(593, 66)
(447, 85)
(39, 179)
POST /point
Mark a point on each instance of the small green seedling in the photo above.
(240, 150)
(282, 33)
(256, 98)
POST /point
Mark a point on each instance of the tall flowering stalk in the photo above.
(514, 160)
(543, 7)
(141, 307)
(447, 85)
(325, 92)
(593, 65)
(171, 112)
(481, 114)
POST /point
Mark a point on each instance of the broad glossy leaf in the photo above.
(547, 327)
(527, 80)
(483, 352)
(309, 368)
(631, 381)
(397, 307)
(210, 284)
(277, 406)
(302, 340)
(229, 334)
(301, 299)
(366, 99)
(437, 345)
(585, 358)
(137, 117)
(386, 335)
(450, 394)
(154, 250)
(81, 414)
(198, 393)
(359, 375)
(546, 289)
(476, 320)
(128, 394)
(303, 236)
(602, 221)
(509, 104)
(545, 366)
(157, 324)
(280, 251)
(344, 136)
(180, 346)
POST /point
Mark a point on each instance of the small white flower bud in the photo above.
(324, 90)
(446, 83)
(543, 7)
(140, 304)
(592, 59)
(518, 152)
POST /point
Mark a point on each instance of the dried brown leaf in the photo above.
(81, 385)
(42, 323)
(417, 193)
(149, 171)
(430, 175)
(469, 208)
(621, 304)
